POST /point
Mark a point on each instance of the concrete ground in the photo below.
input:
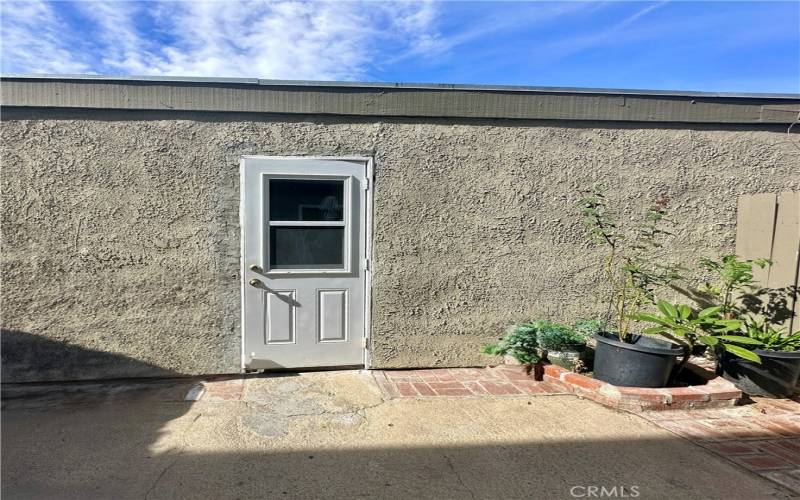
(332, 435)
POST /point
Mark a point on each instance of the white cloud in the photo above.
(513, 16)
(34, 40)
(120, 44)
(289, 40)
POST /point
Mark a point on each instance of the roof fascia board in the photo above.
(380, 100)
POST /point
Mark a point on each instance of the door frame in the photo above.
(366, 266)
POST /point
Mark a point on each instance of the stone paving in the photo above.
(336, 435)
(760, 434)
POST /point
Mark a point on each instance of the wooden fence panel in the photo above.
(785, 247)
(755, 223)
(769, 226)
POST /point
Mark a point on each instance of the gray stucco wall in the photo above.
(121, 229)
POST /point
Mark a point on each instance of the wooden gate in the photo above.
(768, 226)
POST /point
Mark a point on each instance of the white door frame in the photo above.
(367, 266)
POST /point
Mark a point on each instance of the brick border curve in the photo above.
(716, 393)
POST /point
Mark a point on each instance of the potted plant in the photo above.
(778, 372)
(561, 345)
(688, 327)
(633, 271)
(738, 295)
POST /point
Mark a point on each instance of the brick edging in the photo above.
(716, 393)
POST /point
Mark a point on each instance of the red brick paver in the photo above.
(763, 437)
(218, 390)
(503, 380)
(761, 462)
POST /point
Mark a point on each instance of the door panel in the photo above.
(279, 316)
(304, 254)
(332, 315)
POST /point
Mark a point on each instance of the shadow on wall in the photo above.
(27, 357)
(111, 115)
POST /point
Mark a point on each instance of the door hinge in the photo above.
(366, 264)
(365, 342)
(366, 184)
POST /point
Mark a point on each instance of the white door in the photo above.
(304, 242)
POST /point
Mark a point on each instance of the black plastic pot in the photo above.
(640, 362)
(776, 376)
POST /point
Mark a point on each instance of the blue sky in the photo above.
(712, 46)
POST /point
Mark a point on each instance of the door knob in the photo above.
(255, 282)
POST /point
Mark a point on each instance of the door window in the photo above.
(306, 200)
(306, 224)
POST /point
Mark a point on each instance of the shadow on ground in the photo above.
(150, 444)
(329, 435)
(115, 463)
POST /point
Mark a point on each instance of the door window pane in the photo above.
(306, 247)
(306, 200)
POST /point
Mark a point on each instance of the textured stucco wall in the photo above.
(121, 235)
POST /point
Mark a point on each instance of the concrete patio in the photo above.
(336, 435)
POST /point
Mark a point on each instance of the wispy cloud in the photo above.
(620, 32)
(119, 43)
(34, 39)
(511, 17)
(697, 45)
(301, 40)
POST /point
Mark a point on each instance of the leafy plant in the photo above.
(739, 296)
(519, 342)
(771, 338)
(687, 327)
(734, 277)
(628, 266)
(555, 337)
(588, 327)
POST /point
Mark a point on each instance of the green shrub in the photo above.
(555, 337)
(524, 341)
(588, 327)
(519, 342)
(770, 337)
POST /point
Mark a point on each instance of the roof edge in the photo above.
(381, 100)
(390, 85)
